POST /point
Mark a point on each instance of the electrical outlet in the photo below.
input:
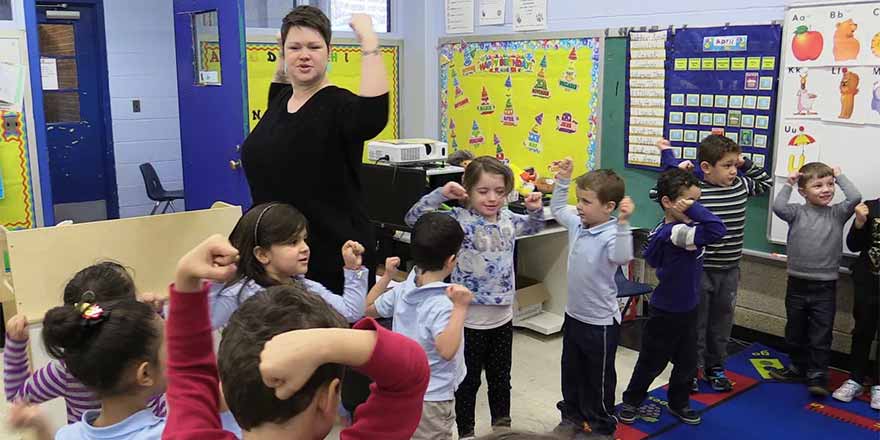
(136, 105)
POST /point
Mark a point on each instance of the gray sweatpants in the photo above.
(438, 421)
(715, 319)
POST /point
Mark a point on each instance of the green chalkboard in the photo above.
(639, 182)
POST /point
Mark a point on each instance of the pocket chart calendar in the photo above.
(718, 80)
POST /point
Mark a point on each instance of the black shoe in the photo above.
(686, 415)
(719, 381)
(695, 386)
(566, 429)
(816, 387)
(628, 414)
(789, 374)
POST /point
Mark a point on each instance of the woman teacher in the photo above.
(307, 148)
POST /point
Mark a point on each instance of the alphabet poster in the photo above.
(829, 96)
(526, 102)
(344, 70)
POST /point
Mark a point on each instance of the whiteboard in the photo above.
(812, 114)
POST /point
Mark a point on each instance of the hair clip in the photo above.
(92, 314)
(87, 297)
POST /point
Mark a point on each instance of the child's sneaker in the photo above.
(848, 391)
(628, 414)
(686, 415)
(790, 374)
(816, 387)
(875, 397)
(719, 381)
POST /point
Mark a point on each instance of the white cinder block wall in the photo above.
(141, 64)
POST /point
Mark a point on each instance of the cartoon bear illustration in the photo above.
(875, 103)
(849, 88)
(846, 46)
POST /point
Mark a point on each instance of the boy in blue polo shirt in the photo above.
(598, 245)
(432, 312)
(675, 249)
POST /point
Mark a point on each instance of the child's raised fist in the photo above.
(861, 216)
(352, 254)
(564, 168)
(454, 191)
(663, 144)
(17, 328)
(391, 264)
(460, 295)
(626, 208)
(213, 259)
(793, 178)
(534, 202)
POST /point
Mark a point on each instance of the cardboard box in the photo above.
(530, 299)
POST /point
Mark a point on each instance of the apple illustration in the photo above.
(806, 44)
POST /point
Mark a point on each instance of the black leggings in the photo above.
(488, 350)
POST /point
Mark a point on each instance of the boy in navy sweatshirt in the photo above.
(675, 249)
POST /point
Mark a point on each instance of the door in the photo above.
(212, 94)
(75, 103)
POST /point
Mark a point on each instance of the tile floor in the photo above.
(535, 385)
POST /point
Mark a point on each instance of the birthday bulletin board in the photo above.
(718, 80)
(526, 102)
(829, 98)
(344, 71)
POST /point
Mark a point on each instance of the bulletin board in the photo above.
(829, 97)
(720, 80)
(16, 191)
(344, 70)
(527, 102)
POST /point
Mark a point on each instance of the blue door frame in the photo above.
(38, 131)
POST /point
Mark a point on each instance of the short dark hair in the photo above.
(486, 164)
(714, 148)
(607, 185)
(813, 170)
(98, 353)
(458, 157)
(435, 237)
(276, 310)
(107, 280)
(308, 17)
(264, 225)
(672, 183)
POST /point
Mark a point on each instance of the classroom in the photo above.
(364, 208)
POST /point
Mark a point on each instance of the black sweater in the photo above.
(311, 160)
(866, 241)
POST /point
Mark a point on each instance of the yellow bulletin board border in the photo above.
(525, 51)
(261, 71)
(20, 207)
(22, 167)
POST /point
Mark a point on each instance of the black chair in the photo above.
(629, 289)
(156, 192)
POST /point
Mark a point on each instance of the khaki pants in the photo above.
(437, 421)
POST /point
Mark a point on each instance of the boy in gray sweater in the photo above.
(815, 246)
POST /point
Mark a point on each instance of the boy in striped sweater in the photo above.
(727, 181)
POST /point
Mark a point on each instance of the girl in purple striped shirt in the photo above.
(107, 281)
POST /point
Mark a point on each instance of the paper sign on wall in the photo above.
(459, 16)
(492, 12)
(529, 15)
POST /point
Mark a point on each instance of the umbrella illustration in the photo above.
(799, 140)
